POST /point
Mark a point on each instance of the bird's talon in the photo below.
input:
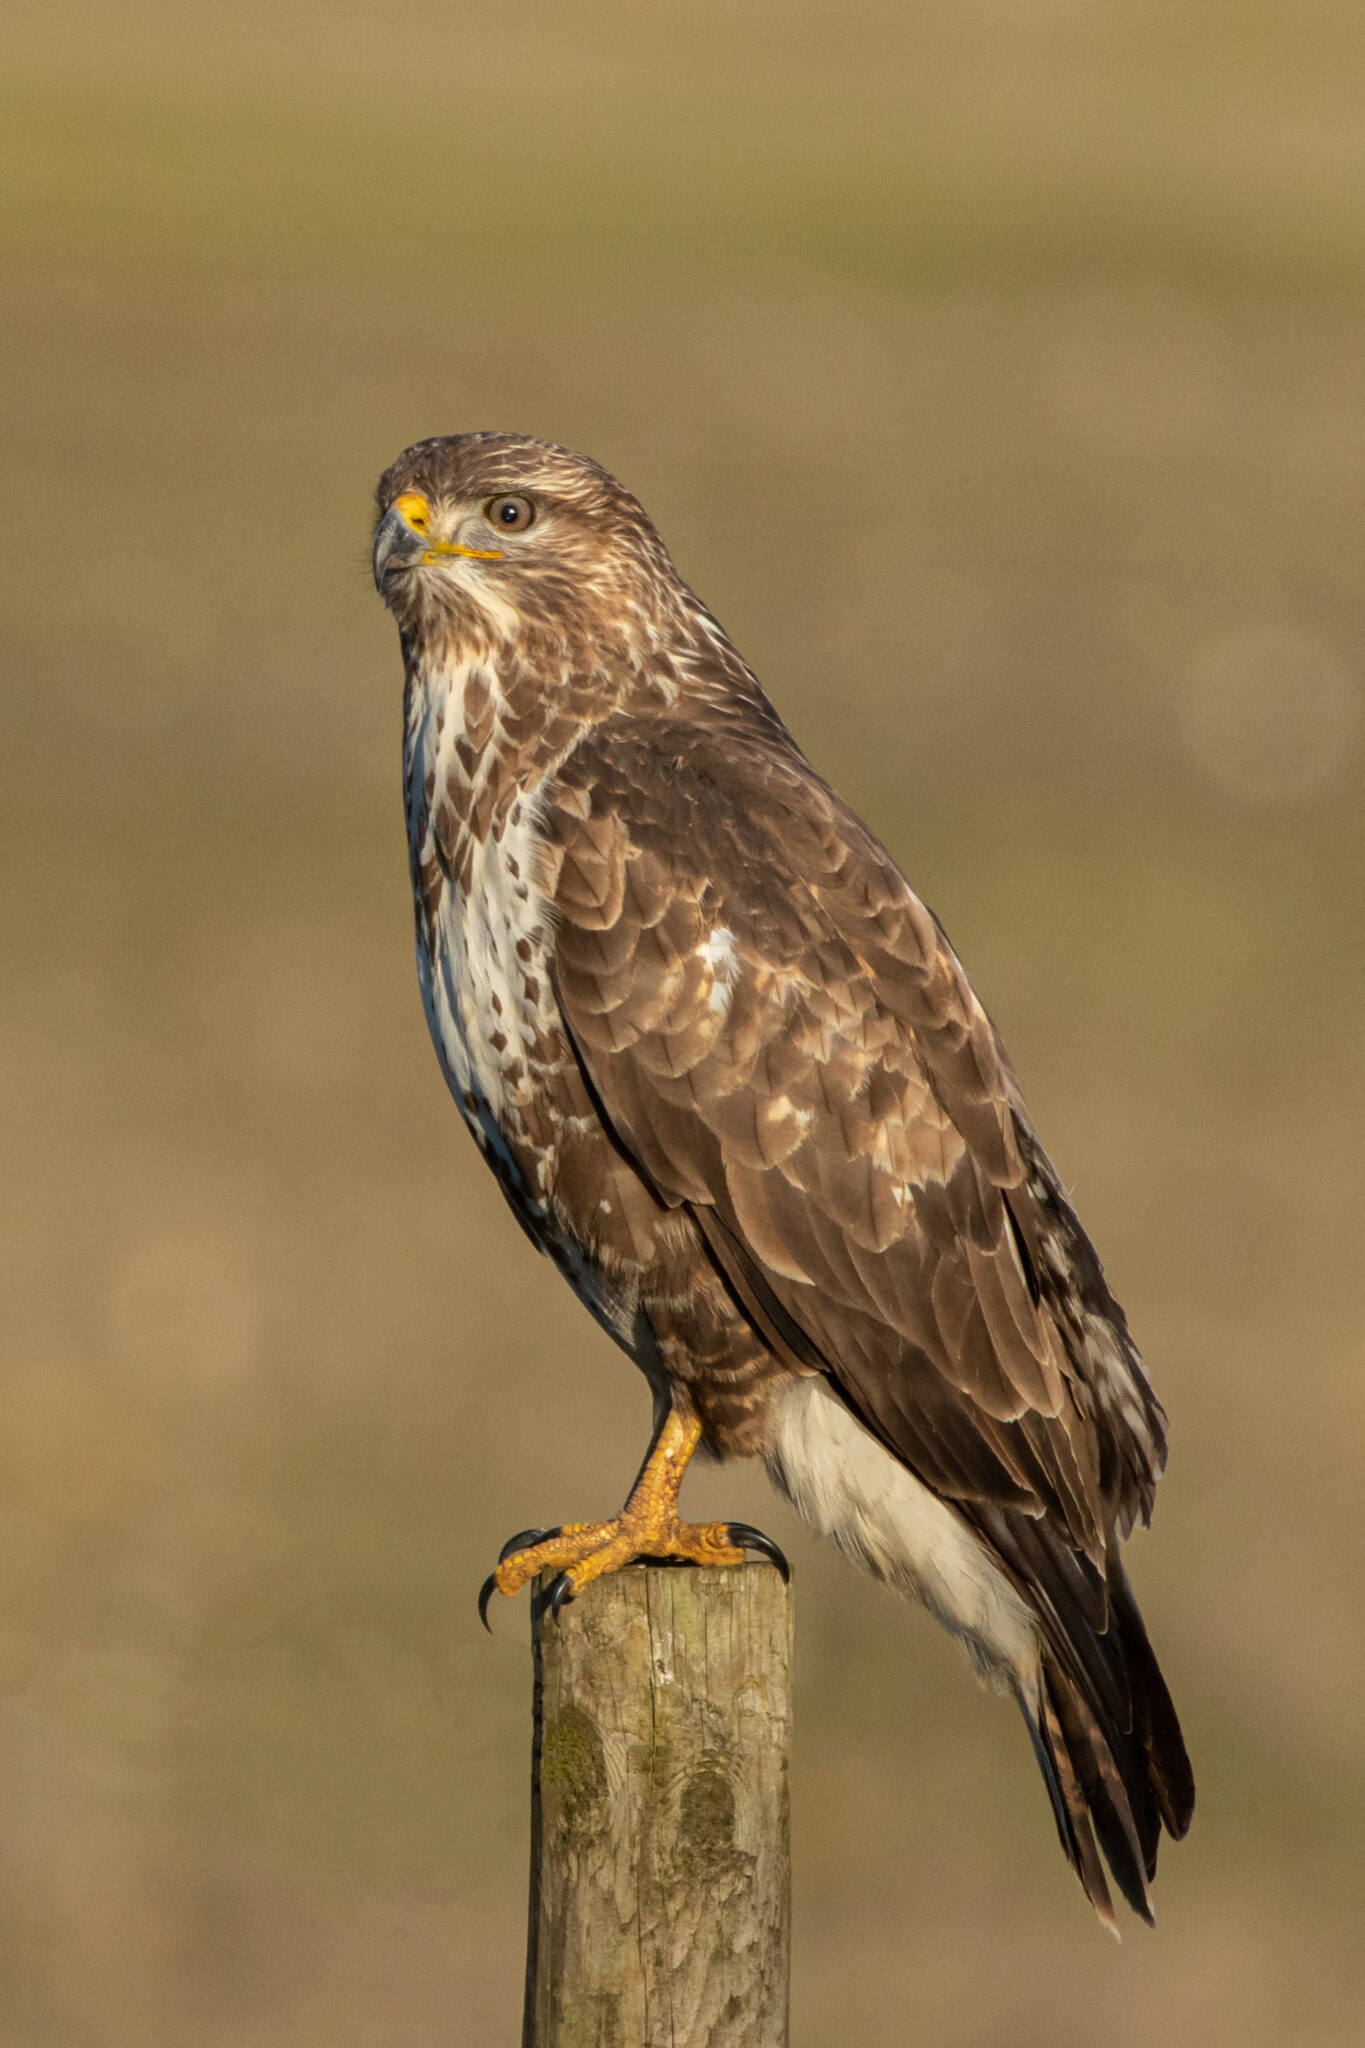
(568, 1559)
(523, 1541)
(745, 1537)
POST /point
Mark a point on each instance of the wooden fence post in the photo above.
(660, 1841)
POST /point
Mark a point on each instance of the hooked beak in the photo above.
(396, 547)
(402, 540)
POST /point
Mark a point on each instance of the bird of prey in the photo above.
(733, 1079)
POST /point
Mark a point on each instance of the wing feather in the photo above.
(778, 1030)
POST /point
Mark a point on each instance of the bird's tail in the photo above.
(1110, 1749)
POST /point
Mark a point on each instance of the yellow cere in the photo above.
(414, 509)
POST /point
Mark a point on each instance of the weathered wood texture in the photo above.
(660, 1844)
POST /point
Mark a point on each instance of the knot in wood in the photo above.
(706, 1817)
(573, 1774)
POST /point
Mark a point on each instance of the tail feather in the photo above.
(1069, 1805)
(1070, 1599)
(1098, 1790)
(1101, 1719)
(1158, 1727)
(1037, 1616)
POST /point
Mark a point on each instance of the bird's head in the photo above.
(483, 538)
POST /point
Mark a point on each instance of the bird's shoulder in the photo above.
(713, 853)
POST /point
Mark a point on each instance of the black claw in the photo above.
(558, 1594)
(523, 1541)
(749, 1538)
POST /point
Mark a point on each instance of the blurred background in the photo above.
(994, 370)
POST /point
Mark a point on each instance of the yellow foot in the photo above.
(584, 1551)
(647, 1526)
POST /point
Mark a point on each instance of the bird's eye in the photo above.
(509, 515)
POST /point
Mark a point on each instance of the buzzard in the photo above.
(733, 1079)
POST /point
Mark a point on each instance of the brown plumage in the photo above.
(734, 1080)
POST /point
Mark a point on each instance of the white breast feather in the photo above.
(474, 984)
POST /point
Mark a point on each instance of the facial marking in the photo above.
(440, 548)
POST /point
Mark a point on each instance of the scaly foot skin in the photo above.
(584, 1551)
(648, 1526)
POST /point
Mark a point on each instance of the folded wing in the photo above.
(780, 1034)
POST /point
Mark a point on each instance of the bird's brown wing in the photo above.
(780, 1035)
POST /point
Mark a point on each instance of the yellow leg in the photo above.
(647, 1526)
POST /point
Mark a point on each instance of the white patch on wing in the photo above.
(720, 949)
(847, 1485)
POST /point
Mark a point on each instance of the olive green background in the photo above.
(995, 373)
